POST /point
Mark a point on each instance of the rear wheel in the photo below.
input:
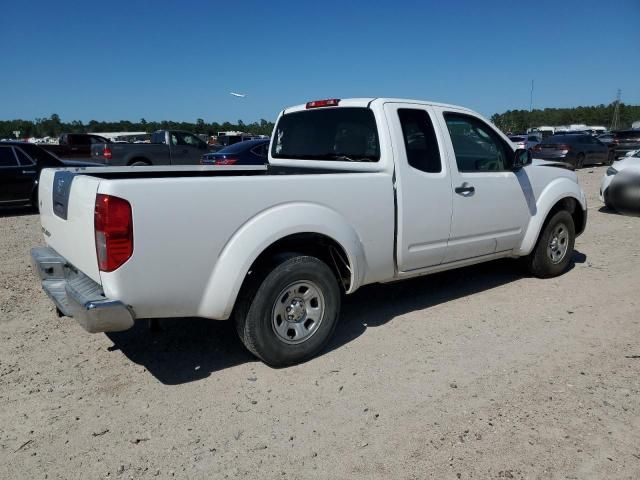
(34, 200)
(139, 163)
(554, 249)
(289, 315)
(580, 160)
(610, 158)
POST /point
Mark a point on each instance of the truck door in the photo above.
(492, 204)
(16, 182)
(423, 187)
(186, 149)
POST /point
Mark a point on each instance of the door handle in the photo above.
(465, 189)
(28, 171)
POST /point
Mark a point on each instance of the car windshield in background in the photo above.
(339, 134)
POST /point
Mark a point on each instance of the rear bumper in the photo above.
(77, 296)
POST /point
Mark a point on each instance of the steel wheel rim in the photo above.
(558, 243)
(298, 312)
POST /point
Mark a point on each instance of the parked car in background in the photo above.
(625, 141)
(20, 165)
(74, 145)
(249, 152)
(620, 187)
(576, 149)
(525, 141)
(167, 147)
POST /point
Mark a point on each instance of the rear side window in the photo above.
(79, 139)
(420, 140)
(7, 158)
(340, 134)
(260, 150)
(23, 158)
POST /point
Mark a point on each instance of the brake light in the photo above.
(113, 226)
(226, 161)
(331, 102)
(106, 152)
(537, 148)
(563, 147)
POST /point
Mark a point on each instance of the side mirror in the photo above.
(521, 158)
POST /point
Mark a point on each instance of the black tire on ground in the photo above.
(34, 200)
(607, 201)
(610, 158)
(262, 304)
(580, 160)
(545, 261)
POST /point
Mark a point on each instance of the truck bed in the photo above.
(185, 219)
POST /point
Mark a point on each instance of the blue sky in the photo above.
(179, 60)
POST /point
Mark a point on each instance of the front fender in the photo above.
(262, 231)
(554, 192)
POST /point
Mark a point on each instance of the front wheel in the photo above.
(292, 313)
(554, 249)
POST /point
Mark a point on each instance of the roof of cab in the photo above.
(365, 102)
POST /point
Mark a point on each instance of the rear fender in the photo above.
(262, 231)
(554, 192)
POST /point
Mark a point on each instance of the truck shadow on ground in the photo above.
(17, 211)
(190, 349)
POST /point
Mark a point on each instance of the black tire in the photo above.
(607, 201)
(540, 262)
(610, 159)
(34, 202)
(580, 160)
(256, 312)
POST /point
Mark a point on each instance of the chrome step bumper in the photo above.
(77, 296)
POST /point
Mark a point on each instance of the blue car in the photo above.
(249, 152)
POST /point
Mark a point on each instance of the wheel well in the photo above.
(572, 206)
(313, 244)
(138, 159)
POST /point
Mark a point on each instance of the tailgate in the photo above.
(67, 202)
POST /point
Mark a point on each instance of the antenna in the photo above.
(615, 122)
(531, 98)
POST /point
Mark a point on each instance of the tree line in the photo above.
(509, 121)
(520, 120)
(54, 126)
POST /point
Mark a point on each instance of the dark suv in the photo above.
(624, 141)
(578, 150)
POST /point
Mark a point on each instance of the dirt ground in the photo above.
(476, 373)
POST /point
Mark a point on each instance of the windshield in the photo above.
(341, 134)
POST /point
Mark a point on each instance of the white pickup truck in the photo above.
(357, 191)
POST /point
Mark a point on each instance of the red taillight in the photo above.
(113, 225)
(226, 161)
(563, 147)
(331, 102)
(537, 148)
(106, 152)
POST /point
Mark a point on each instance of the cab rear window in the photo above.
(336, 134)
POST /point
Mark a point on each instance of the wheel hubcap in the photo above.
(558, 243)
(298, 312)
